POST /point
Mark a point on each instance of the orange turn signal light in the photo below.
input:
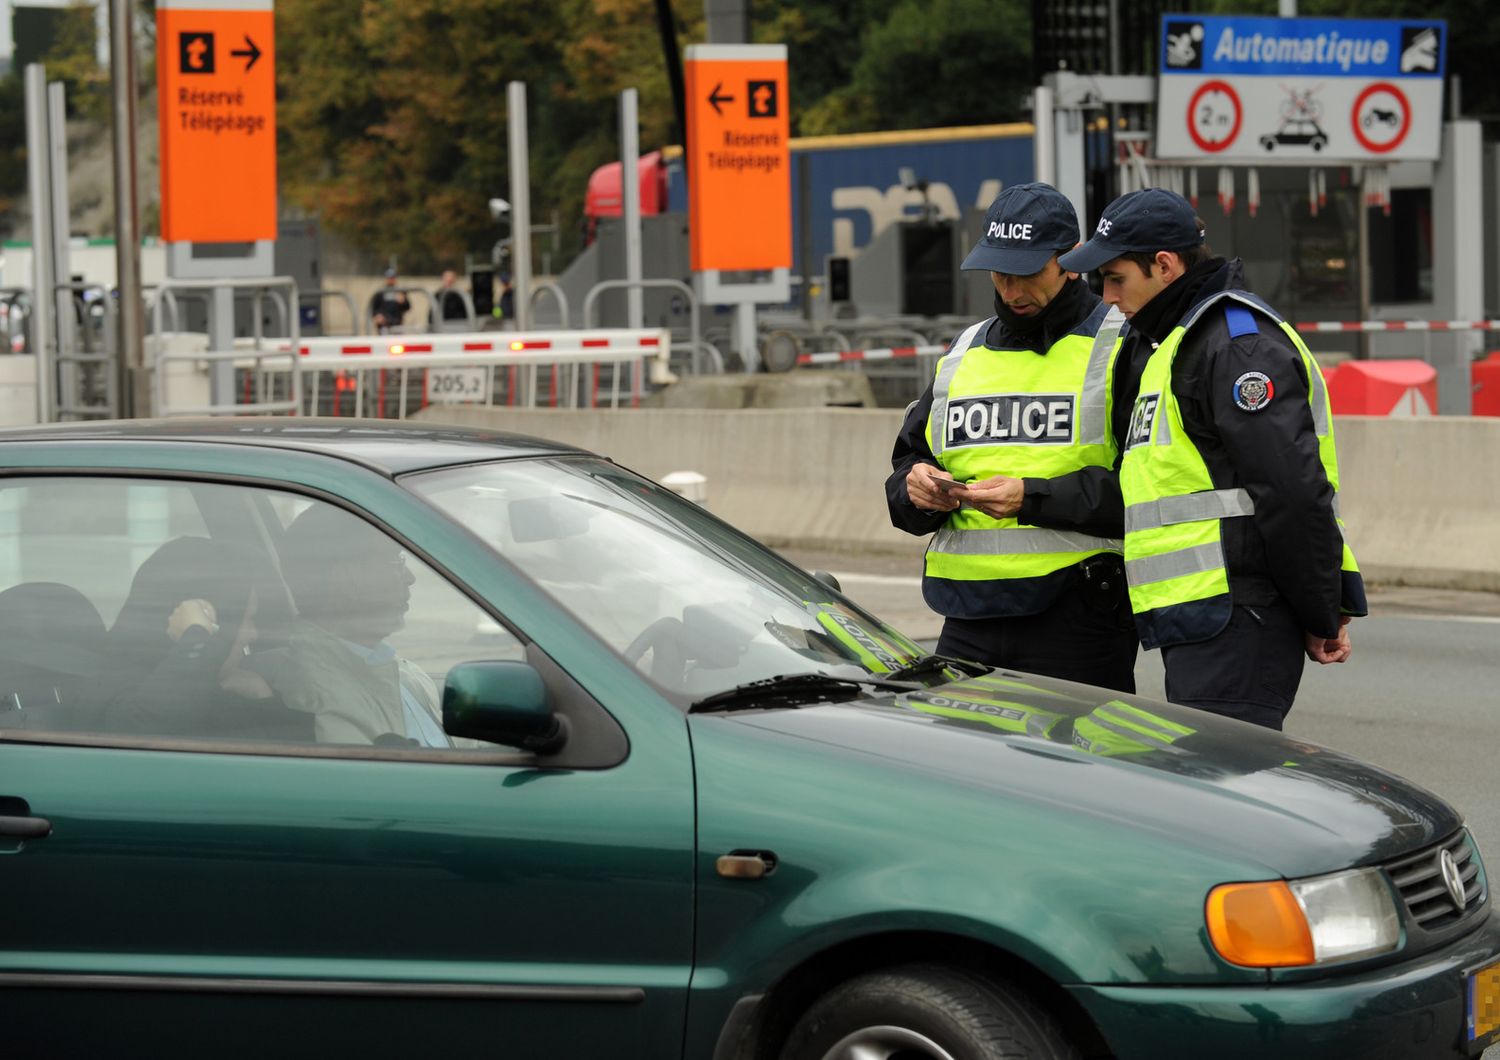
(1259, 925)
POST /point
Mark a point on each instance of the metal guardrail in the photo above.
(321, 295)
(257, 354)
(81, 368)
(448, 363)
(558, 294)
(695, 334)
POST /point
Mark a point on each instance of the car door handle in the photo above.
(25, 827)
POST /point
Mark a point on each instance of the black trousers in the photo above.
(1250, 671)
(1074, 639)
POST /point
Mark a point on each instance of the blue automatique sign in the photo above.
(1300, 89)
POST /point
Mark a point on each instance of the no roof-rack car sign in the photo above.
(1300, 90)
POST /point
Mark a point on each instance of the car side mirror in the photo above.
(504, 703)
(828, 580)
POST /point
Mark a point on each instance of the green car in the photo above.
(332, 738)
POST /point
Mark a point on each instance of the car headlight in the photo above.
(1291, 923)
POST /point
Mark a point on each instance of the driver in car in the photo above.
(352, 589)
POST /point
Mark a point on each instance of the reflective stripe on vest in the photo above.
(1187, 508)
(947, 368)
(1179, 563)
(1093, 417)
(1174, 557)
(1019, 541)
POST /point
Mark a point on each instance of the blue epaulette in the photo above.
(1241, 321)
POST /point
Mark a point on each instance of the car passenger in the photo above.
(182, 641)
(352, 589)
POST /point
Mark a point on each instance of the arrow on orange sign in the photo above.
(252, 51)
(716, 99)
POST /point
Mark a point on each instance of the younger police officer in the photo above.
(1233, 549)
(1008, 458)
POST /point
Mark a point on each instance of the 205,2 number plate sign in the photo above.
(451, 386)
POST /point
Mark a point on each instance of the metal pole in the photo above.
(43, 275)
(1287, 8)
(131, 315)
(666, 25)
(1044, 149)
(804, 231)
(1362, 209)
(67, 324)
(520, 203)
(630, 198)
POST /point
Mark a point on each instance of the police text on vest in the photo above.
(1142, 418)
(1012, 419)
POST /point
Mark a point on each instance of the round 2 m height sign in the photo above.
(1214, 116)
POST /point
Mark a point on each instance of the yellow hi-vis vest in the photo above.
(1022, 414)
(1174, 551)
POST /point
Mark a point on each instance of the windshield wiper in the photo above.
(792, 688)
(931, 664)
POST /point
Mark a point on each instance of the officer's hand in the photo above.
(1324, 651)
(925, 495)
(998, 497)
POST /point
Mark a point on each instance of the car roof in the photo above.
(389, 446)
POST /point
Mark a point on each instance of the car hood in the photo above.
(1198, 778)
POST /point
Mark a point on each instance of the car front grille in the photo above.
(1423, 881)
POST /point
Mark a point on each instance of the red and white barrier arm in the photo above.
(1400, 325)
(896, 352)
(539, 347)
(887, 354)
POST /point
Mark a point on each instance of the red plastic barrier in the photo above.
(1486, 376)
(1383, 388)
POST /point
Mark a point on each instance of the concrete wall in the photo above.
(1421, 497)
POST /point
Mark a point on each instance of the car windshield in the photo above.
(694, 604)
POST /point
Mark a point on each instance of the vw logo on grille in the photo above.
(1448, 869)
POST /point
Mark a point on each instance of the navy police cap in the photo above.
(1024, 227)
(1151, 219)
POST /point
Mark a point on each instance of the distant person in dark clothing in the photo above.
(388, 306)
(450, 300)
(507, 302)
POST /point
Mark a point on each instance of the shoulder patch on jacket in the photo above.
(1253, 391)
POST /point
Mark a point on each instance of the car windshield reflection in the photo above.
(692, 603)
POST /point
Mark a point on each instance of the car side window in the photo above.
(211, 611)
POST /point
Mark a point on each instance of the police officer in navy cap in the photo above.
(1007, 459)
(1233, 547)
